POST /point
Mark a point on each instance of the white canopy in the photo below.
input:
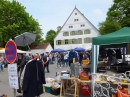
(88, 47)
(18, 51)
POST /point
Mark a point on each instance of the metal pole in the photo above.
(14, 93)
(28, 47)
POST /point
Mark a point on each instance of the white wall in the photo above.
(39, 51)
(76, 26)
(49, 48)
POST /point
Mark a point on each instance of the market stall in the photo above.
(118, 38)
(2, 50)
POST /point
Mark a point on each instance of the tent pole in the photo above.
(95, 52)
(93, 68)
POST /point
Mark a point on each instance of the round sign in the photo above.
(10, 51)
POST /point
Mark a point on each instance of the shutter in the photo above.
(76, 41)
(67, 33)
(84, 31)
(56, 42)
(76, 32)
(81, 32)
(89, 32)
(90, 40)
(62, 42)
(70, 33)
(69, 41)
(84, 40)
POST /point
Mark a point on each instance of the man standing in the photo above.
(58, 60)
(45, 62)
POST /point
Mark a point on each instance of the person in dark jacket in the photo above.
(80, 57)
(45, 62)
(33, 79)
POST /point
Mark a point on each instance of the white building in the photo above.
(41, 48)
(77, 31)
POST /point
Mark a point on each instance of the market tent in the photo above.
(58, 50)
(79, 49)
(120, 37)
(117, 37)
(88, 47)
(2, 50)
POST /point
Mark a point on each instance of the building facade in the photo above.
(41, 48)
(77, 31)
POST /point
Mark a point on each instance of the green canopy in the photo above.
(121, 36)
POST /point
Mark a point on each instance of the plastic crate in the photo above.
(119, 94)
(85, 90)
(47, 89)
(55, 91)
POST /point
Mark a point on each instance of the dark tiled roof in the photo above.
(39, 46)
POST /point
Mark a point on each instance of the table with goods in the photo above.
(74, 82)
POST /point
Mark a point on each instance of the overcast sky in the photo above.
(53, 13)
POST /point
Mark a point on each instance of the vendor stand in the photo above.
(118, 38)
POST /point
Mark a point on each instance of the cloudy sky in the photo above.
(53, 13)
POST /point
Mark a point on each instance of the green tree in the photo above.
(58, 29)
(50, 37)
(14, 20)
(117, 17)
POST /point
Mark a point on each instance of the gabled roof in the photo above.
(69, 17)
(39, 46)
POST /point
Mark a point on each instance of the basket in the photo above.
(55, 91)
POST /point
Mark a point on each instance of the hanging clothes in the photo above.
(33, 80)
(118, 54)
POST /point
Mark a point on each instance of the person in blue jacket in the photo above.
(72, 54)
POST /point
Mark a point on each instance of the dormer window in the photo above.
(70, 26)
(83, 25)
(76, 19)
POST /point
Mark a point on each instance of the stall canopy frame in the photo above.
(118, 38)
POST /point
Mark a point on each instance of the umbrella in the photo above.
(79, 49)
(25, 39)
(58, 50)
